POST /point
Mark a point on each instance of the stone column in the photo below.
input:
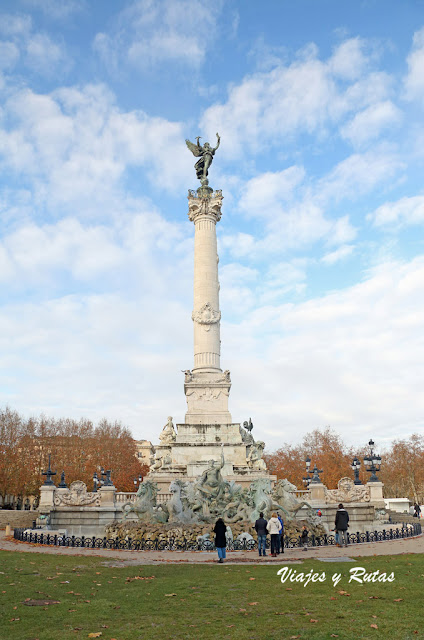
(206, 387)
(205, 211)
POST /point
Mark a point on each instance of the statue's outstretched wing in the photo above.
(194, 148)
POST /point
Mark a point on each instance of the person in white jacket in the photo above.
(273, 528)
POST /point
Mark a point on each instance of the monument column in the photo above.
(206, 386)
(205, 211)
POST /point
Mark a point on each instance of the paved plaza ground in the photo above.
(389, 547)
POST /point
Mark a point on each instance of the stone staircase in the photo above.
(399, 518)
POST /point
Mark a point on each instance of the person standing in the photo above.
(341, 524)
(260, 526)
(304, 538)
(273, 527)
(281, 534)
(417, 510)
(220, 540)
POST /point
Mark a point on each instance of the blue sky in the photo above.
(320, 110)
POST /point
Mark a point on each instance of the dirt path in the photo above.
(118, 557)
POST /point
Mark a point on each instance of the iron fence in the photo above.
(183, 544)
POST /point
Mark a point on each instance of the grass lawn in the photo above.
(207, 601)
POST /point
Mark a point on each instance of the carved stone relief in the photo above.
(206, 316)
(78, 496)
(347, 491)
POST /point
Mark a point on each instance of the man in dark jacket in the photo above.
(260, 526)
(220, 540)
(341, 524)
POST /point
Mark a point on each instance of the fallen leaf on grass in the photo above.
(290, 589)
(14, 619)
(242, 609)
(312, 620)
(40, 603)
(168, 595)
(294, 637)
(334, 635)
(251, 579)
(398, 600)
(253, 603)
(374, 598)
(344, 593)
(374, 626)
(95, 635)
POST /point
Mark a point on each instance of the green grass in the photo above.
(211, 601)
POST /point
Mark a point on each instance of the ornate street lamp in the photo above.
(315, 479)
(372, 462)
(307, 479)
(356, 465)
(49, 474)
(315, 475)
(103, 481)
(138, 480)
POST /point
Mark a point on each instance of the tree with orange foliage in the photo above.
(325, 448)
(402, 469)
(77, 447)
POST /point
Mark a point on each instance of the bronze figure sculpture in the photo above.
(205, 154)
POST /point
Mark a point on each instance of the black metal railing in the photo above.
(183, 544)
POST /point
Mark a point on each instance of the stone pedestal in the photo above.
(317, 492)
(47, 493)
(376, 494)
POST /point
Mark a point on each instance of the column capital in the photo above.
(202, 203)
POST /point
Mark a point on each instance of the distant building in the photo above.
(145, 451)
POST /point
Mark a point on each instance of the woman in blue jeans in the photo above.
(220, 540)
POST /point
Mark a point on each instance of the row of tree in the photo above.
(402, 464)
(79, 448)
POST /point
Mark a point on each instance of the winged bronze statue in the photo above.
(205, 153)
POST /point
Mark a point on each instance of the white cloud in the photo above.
(339, 254)
(341, 231)
(9, 55)
(37, 50)
(351, 359)
(349, 59)
(43, 55)
(414, 80)
(403, 212)
(308, 95)
(260, 194)
(15, 25)
(360, 173)
(75, 145)
(57, 10)
(368, 124)
(152, 32)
